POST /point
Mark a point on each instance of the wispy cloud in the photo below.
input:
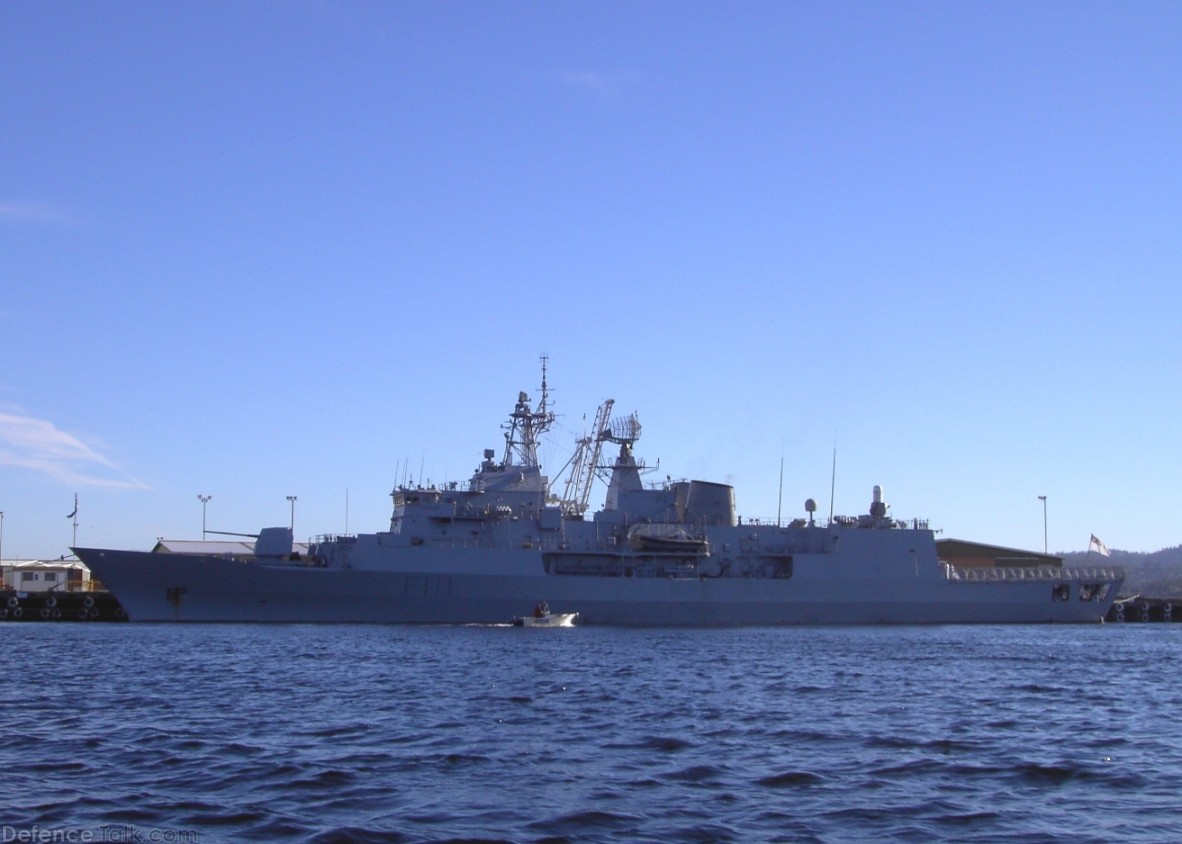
(609, 87)
(40, 446)
(12, 211)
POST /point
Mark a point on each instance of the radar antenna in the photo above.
(623, 475)
(624, 430)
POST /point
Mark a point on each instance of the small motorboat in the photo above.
(542, 617)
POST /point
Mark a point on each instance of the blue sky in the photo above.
(261, 249)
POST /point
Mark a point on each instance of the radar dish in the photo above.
(625, 429)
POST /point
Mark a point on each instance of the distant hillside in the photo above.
(1157, 574)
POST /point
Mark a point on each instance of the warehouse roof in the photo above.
(215, 546)
(948, 549)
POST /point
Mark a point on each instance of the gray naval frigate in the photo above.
(673, 553)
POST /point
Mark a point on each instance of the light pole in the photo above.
(204, 499)
(1, 540)
(292, 499)
(74, 516)
(1043, 499)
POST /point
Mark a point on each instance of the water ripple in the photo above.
(364, 734)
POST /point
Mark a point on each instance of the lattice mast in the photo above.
(585, 460)
(526, 427)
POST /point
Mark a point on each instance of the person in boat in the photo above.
(541, 610)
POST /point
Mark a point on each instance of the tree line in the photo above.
(1155, 574)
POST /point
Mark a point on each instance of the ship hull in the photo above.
(668, 554)
(196, 588)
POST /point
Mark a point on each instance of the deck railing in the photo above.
(1047, 573)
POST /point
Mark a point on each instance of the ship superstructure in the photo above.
(671, 553)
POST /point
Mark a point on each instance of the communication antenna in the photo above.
(832, 484)
(780, 494)
(545, 389)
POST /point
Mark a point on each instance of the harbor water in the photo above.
(218, 733)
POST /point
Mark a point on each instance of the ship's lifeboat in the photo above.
(672, 539)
